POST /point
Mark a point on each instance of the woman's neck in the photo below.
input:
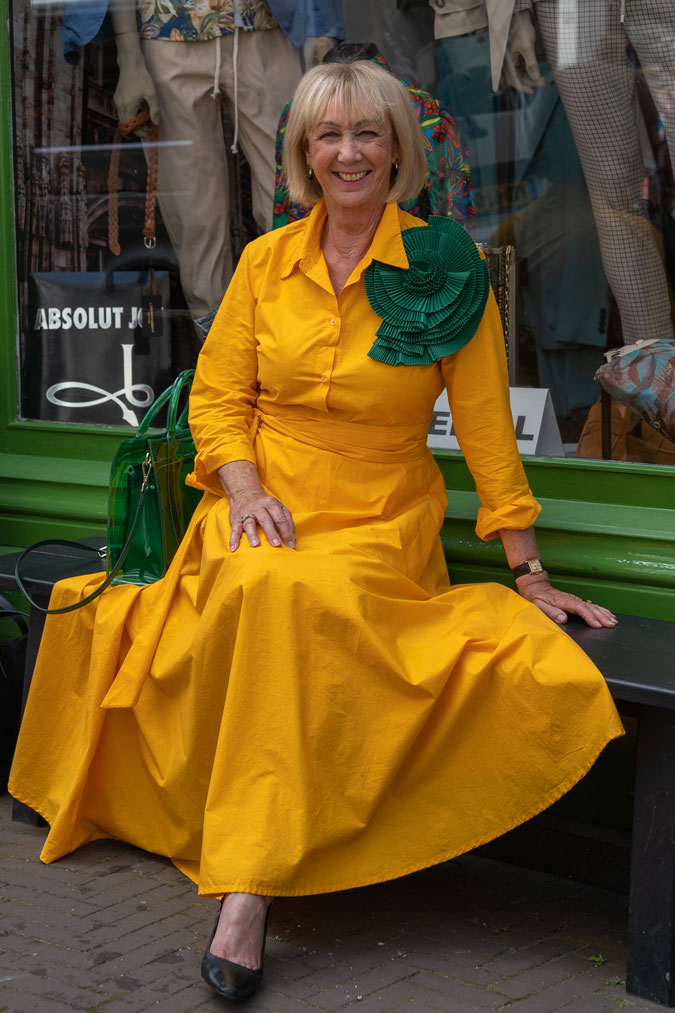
(347, 235)
(347, 229)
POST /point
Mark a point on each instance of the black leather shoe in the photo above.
(232, 981)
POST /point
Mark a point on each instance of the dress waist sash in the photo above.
(378, 444)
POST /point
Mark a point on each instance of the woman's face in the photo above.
(352, 159)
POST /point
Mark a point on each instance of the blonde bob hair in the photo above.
(360, 89)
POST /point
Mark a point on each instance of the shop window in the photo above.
(563, 116)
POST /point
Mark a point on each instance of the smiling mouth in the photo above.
(352, 177)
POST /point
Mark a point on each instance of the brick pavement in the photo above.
(116, 930)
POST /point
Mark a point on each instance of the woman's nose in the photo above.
(348, 148)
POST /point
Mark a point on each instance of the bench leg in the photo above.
(22, 813)
(650, 970)
(36, 626)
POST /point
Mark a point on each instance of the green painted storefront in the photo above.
(606, 528)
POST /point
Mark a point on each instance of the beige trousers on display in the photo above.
(193, 190)
(586, 47)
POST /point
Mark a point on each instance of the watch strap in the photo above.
(529, 566)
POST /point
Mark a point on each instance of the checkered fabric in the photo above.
(586, 46)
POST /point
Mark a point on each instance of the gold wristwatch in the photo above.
(529, 566)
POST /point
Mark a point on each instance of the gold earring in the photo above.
(310, 173)
(395, 166)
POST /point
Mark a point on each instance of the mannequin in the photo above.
(598, 86)
(476, 45)
(528, 190)
(179, 68)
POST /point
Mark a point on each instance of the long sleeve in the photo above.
(225, 385)
(478, 393)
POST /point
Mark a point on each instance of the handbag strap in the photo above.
(146, 468)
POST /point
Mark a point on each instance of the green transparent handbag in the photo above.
(149, 505)
(160, 460)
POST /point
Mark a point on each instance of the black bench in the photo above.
(636, 660)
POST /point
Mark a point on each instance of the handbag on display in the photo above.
(98, 343)
(149, 505)
(642, 377)
(12, 665)
(98, 346)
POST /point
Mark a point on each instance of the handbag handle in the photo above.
(182, 381)
(147, 464)
(152, 414)
(172, 395)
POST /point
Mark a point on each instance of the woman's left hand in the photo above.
(557, 605)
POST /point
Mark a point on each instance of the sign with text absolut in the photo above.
(98, 349)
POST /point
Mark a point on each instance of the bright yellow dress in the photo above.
(298, 721)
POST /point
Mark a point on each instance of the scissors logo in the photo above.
(137, 394)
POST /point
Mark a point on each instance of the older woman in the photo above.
(304, 704)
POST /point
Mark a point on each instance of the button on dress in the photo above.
(295, 721)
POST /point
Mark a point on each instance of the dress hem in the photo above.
(267, 890)
(270, 891)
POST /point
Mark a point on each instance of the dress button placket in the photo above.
(333, 323)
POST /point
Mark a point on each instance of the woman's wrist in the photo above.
(240, 479)
(533, 580)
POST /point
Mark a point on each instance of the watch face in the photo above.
(529, 566)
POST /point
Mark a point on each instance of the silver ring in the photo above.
(245, 517)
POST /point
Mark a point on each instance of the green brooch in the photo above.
(433, 308)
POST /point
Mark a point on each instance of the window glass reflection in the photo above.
(547, 125)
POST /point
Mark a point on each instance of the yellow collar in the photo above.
(387, 245)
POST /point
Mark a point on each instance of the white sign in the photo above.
(533, 419)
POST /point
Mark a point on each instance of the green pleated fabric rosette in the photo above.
(433, 308)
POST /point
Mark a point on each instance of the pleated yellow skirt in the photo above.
(301, 721)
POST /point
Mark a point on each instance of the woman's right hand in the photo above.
(251, 508)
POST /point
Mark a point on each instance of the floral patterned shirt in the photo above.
(198, 20)
(447, 190)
